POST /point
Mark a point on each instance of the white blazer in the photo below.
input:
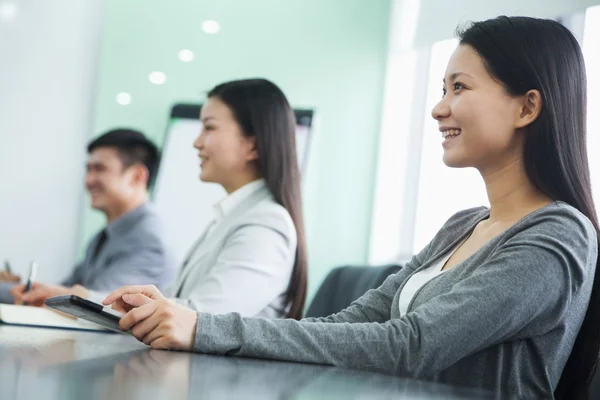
(243, 261)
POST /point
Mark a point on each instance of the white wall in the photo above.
(48, 56)
(438, 18)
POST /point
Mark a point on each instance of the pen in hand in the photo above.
(33, 268)
(6, 274)
(7, 267)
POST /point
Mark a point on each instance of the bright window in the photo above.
(591, 52)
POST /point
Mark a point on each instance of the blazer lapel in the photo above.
(189, 260)
(205, 251)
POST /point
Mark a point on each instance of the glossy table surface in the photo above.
(38, 363)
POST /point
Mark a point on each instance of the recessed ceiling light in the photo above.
(8, 11)
(157, 77)
(124, 98)
(186, 55)
(211, 27)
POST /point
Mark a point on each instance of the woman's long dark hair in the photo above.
(263, 112)
(527, 53)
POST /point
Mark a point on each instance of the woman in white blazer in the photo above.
(252, 257)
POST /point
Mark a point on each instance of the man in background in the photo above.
(131, 249)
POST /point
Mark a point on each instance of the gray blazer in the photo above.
(505, 319)
(244, 264)
(134, 253)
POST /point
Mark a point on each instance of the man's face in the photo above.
(108, 182)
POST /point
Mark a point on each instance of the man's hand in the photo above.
(39, 292)
(6, 276)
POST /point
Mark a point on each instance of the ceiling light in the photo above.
(211, 27)
(124, 99)
(186, 55)
(158, 78)
(8, 11)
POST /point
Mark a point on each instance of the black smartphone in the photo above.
(87, 310)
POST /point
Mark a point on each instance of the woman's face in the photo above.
(226, 154)
(478, 119)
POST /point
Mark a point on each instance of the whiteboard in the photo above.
(185, 202)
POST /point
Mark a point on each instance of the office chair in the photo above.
(345, 284)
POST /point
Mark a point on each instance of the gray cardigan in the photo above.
(505, 319)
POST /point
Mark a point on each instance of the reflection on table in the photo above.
(59, 364)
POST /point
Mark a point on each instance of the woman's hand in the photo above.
(161, 324)
(116, 298)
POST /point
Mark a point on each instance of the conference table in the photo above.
(39, 363)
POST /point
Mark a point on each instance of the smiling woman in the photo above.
(252, 257)
(478, 119)
(505, 298)
(226, 155)
(434, 177)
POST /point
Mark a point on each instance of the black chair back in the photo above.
(343, 285)
(594, 392)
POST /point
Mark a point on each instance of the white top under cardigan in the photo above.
(418, 280)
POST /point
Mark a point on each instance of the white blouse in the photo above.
(418, 280)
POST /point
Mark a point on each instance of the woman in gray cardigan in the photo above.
(504, 298)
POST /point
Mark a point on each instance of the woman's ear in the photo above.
(530, 109)
(252, 153)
